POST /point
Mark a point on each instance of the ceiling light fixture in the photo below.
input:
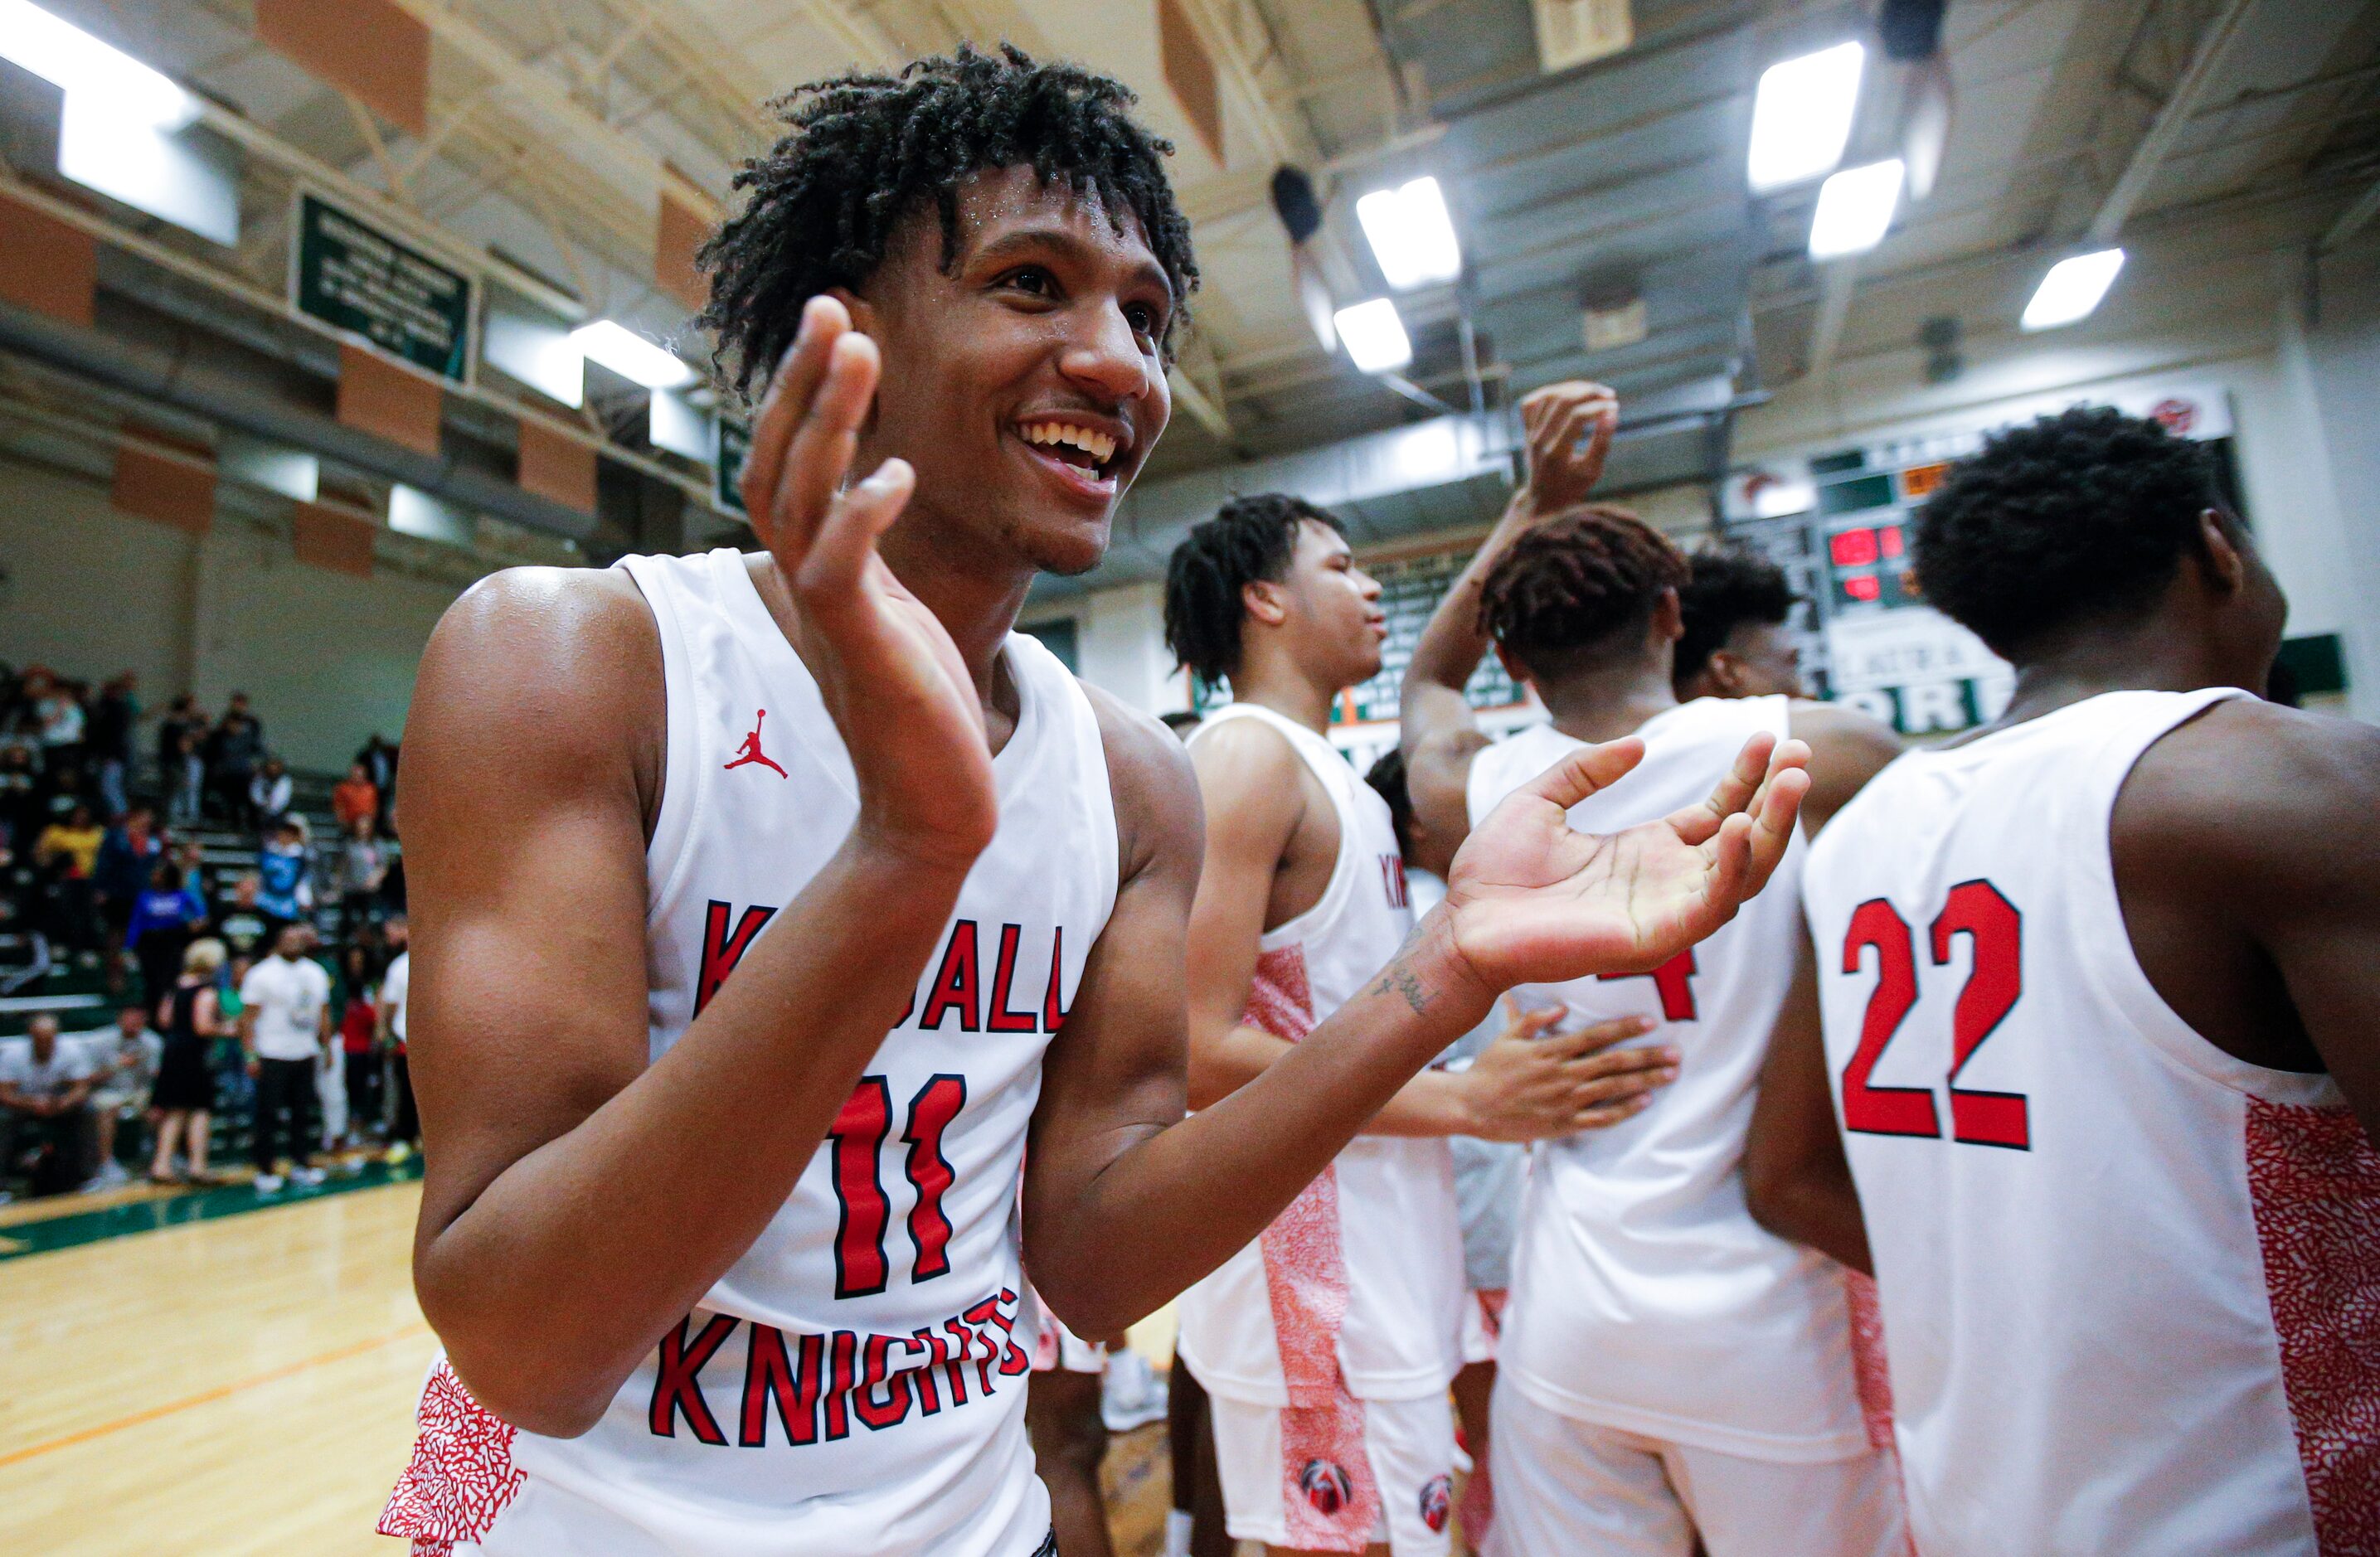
(631, 356)
(1855, 207)
(1801, 116)
(1410, 234)
(79, 65)
(1374, 337)
(2072, 288)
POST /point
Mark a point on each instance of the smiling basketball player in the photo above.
(727, 1073)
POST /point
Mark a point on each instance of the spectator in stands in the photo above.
(358, 1040)
(184, 776)
(182, 717)
(67, 852)
(356, 796)
(286, 865)
(126, 1060)
(1735, 607)
(45, 1108)
(405, 1134)
(243, 926)
(269, 793)
(59, 714)
(191, 1012)
(378, 759)
(62, 788)
(128, 856)
(19, 794)
(114, 719)
(165, 918)
(285, 1016)
(234, 748)
(362, 866)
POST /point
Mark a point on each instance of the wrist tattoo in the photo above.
(1404, 982)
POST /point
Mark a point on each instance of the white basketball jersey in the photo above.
(2130, 1283)
(856, 1382)
(1644, 1297)
(1361, 1278)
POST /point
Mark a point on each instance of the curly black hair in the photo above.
(2087, 513)
(865, 149)
(1575, 584)
(1725, 588)
(1248, 540)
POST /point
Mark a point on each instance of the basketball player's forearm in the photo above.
(563, 1273)
(1451, 645)
(1182, 1201)
(1432, 1104)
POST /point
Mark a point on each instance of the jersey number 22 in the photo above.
(1995, 979)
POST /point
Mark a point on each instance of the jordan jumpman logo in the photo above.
(750, 751)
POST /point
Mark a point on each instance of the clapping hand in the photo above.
(1531, 900)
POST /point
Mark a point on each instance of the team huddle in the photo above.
(1964, 1150)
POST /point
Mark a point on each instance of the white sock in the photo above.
(1177, 1533)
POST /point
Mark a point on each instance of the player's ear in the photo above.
(863, 313)
(1724, 672)
(2227, 569)
(1265, 600)
(1513, 667)
(1669, 618)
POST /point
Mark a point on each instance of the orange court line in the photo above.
(218, 1393)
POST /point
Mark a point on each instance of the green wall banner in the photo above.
(352, 276)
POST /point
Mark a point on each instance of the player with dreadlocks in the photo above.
(765, 904)
(1667, 1367)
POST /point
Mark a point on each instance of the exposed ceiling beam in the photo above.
(2174, 117)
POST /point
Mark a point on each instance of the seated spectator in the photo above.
(286, 866)
(165, 918)
(191, 1012)
(113, 720)
(242, 925)
(356, 795)
(45, 1109)
(269, 793)
(363, 866)
(125, 1057)
(58, 711)
(68, 852)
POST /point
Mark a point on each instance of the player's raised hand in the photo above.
(1569, 426)
(895, 682)
(1530, 901)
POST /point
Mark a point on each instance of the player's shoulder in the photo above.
(1846, 749)
(1149, 780)
(564, 609)
(566, 659)
(2255, 787)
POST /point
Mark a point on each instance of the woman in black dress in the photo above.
(190, 1017)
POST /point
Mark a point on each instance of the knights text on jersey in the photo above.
(1359, 1284)
(1644, 1297)
(855, 1381)
(2130, 1283)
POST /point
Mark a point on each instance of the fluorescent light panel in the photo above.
(79, 64)
(1801, 116)
(2072, 289)
(631, 356)
(1855, 207)
(1374, 337)
(1410, 234)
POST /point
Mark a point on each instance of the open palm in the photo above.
(888, 673)
(1532, 900)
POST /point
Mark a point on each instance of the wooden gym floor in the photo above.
(192, 1374)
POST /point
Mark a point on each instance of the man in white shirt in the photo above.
(45, 1098)
(285, 1016)
(125, 1059)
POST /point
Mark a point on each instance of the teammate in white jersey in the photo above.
(2100, 985)
(1667, 1368)
(1327, 1344)
(764, 905)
